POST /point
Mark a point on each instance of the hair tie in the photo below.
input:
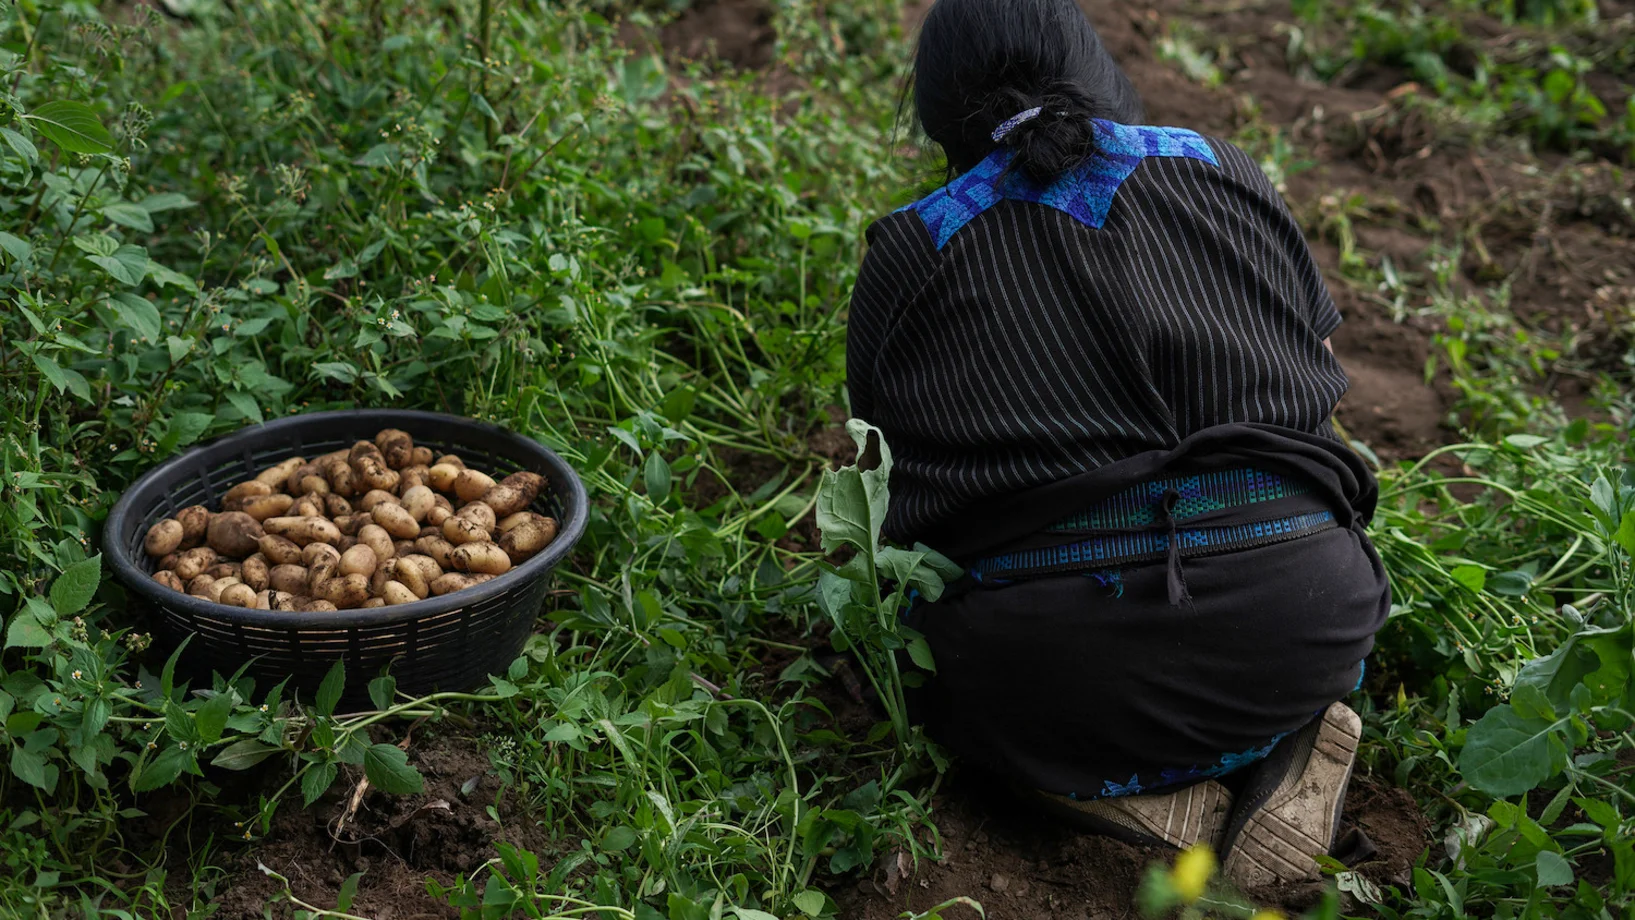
(1010, 123)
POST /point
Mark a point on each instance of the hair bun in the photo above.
(1050, 141)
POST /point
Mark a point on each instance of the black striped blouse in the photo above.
(1004, 336)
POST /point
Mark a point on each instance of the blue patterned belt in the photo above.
(1142, 525)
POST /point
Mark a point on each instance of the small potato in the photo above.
(375, 498)
(513, 521)
(528, 539)
(514, 493)
(168, 563)
(163, 538)
(195, 522)
(426, 530)
(455, 581)
(377, 581)
(276, 476)
(239, 595)
(397, 593)
(321, 572)
(336, 506)
(235, 534)
(303, 530)
(316, 552)
(359, 560)
(422, 456)
(238, 496)
(256, 572)
(419, 500)
(314, 484)
(402, 547)
(342, 480)
(191, 564)
(224, 570)
(282, 600)
(280, 551)
(169, 580)
(481, 558)
(199, 585)
(397, 447)
(461, 530)
(374, 602)
(409, 575)
(288, 579)
(350, 524)
(307, 506)
(312, 605)
(429, 569)
(376, 538)
(345, 543)
(441, 477)
(269, 506)
(397, 521)
(471, 485)
(440, 512)
(299, 475)
(263, 600)
(411, 476)
(452, 460)
(481, 513)
(440, 550)
(345, 592)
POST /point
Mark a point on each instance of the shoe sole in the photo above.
(1280, 840)
(1196, 814)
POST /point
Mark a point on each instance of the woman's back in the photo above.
(1006, 334)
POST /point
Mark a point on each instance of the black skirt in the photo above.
(1097, 682)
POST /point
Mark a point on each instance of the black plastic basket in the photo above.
(447, 643)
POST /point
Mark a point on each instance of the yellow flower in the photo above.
(1192, 872)
(1266, 915)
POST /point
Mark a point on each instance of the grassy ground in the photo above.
(530, 213)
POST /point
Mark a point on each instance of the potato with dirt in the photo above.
(279, 550)
(514, 493)
(191, 564)
(195, 521)
(481, 559)
(234, 534)
(526, 540)
(170, 580)
(303, 530)
(289, 579)
(397, 447)
(276, 476)
(457, 581)
(163, 538)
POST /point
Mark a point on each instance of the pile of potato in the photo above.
(378, 524)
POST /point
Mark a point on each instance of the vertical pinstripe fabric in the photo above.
(1033, 347)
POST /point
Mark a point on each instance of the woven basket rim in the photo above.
(562, 479)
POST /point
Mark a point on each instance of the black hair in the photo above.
(981, 62)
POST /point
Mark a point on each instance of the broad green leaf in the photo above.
(1626, 533)
(128, 264)
(16, 247)
(24, 147)
(619, 838)
(129, 215)
(387, 154)
(504, 688)
(244, 754)
(382, 690)
(25, 631)
(1471, 576)
(246, 405)
(1525, 441)
(140, 314)
(387, 767)
(346, 373)
(31, 767)
(73, 126)
(1511, 584)
(317, 780)
(1506, 754)
(74, 588)
(334, 684)
(211, 718)
(747, 913)
(1553, 869)
(165, 201)
(163, 770)
(656, 472)
(348, 892)
(811, 902)
(179, 724)
(52, 372)
(184, 429)
(852, 501)
(920, 651)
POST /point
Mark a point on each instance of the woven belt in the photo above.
(1142, 524)
(1114, 551)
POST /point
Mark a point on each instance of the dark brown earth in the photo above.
(397, 842)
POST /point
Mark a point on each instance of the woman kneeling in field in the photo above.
(1099, 355)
